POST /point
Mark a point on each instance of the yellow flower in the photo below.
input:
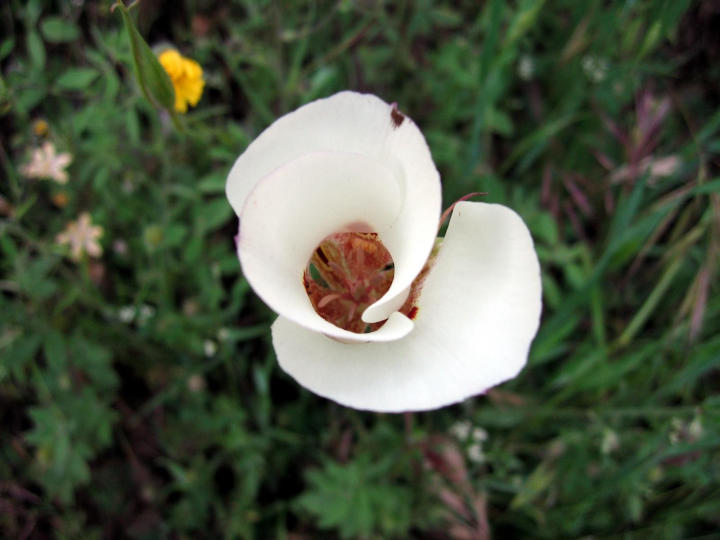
(40, 128)
(60, 199)
(186, 76)
(82, 237)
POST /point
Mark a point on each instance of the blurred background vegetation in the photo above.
(139, 394)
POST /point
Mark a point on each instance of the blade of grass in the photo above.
(489, 46)
(648, 307)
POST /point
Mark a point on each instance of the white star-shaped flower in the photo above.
(46, 163)
(82, 237)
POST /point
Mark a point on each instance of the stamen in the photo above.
(348, 272)
(327, 299)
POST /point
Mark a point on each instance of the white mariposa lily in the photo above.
(339, 203)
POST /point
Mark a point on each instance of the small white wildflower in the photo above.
(595, 68)
(695, 429)
(209, 348)
(479, 435)
(126, 314)
(82, 237)
(47, 163)
(461, 430)
(526, 67)
(676, 429)
(610, 441)
(475, 453)
(145, 313)
(223, 334)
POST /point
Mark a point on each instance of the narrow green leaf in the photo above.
(55, 351)
(57, 30)
(18, 354)
(36, 49)
(701, 359)
(536, 484)
(77, 78)
(154, 81)
(212, 214)
(6, 47)
(536, 141)
(31, 11)
(493, 12)
(212, 183)
(651, 303)
(523, 21)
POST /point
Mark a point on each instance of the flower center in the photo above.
(348, 272)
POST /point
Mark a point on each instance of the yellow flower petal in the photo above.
(172, 62)
(186, 76)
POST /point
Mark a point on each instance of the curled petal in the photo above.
(281, 227)
(347, 161)
(478, 312)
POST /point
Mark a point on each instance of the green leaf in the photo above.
(57, 30)
(213, 213)
(32, 277)
(32, 10)
(36, 49)
(55, 351)
(30, 98)
(18, 354)
(358, 499)
(544, 227)
(539, 481)
(524, 20)
(77, 78)
(62, 462)
(212, 183)
(152, 78)
(498, 121)
(530, 146)
(174, 235)
(6, 47)
(96, 362)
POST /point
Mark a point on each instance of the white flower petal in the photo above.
(347, 159)
(281, 227)
(478, 312)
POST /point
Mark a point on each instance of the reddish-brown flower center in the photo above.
(348, 272)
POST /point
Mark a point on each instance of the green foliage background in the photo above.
(139, 394)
